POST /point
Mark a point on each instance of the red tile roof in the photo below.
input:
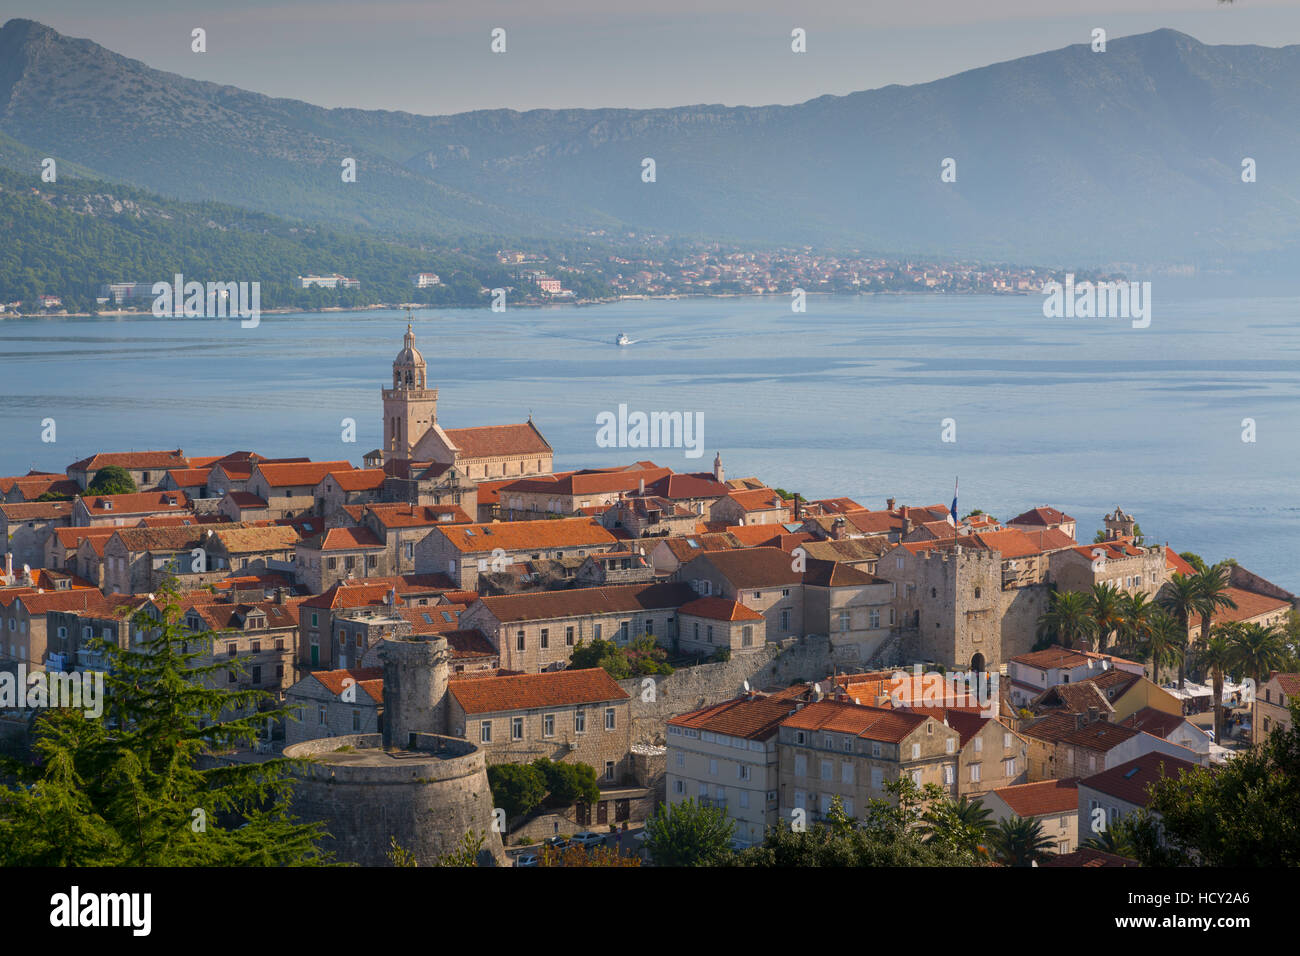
(749, 568)
(1129, 781)
(1043, 516)
(533, 691)
(369, 679)
(752, 718)
(582, 602)
(492, 441)
(308, 473)
(1154, 722)
(359, 479)
(871, 723)
(1052, 657)
(132, 460)
(528, 535)
(1250, 605)
(719, 609)
(416, 516)
(343, 539)
(1042, 798)
(142, 502)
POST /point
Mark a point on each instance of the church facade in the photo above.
(412, 433)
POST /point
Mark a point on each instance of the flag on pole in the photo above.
(952, 515)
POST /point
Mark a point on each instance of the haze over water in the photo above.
(846, 399)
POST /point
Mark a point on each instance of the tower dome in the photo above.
(409, 367)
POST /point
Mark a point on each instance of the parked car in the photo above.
(588, 838)
(528, 859)
(557, 843)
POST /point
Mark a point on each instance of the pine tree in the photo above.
(129, 788)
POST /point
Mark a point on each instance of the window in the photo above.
(356, 720)
(800, 765)
(679, 787)
(546, 637)
(952, 745)
(758, 595)
(744, 799)
(916, 751)
(742, 771)
(713, 767)
(485, 732)
(579, 721)
(877, 779)
(709, 629)
(844, 620)
(681, 760)
(826, 770)
(916, 777)
(785, 619)
(875, 748)
(1006, 740)
(979, 745)
(609, 718)
(1010, 766)
(548, 725)
(949, 774)
(516, 728)
(609, 770)
(568, 636)
(974, 773)
(873, 618)
(747, 636)
(519, 640)
(846, 772)
(320, 714)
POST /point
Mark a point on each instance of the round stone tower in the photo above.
(415, 689)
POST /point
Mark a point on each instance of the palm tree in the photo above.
(1105, 605)
(1137, 612)
(1181, 597)
(1213, 584)
(1114, 839)
(1020, 841)
(963, 823)
(1218, 655)
(1166, 643)
(1258, 650)
(1068, 617)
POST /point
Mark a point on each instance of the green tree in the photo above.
(1068, 618)
(1137, 612)
(603, 654)
(1020, 841)
(112, 480)
(1213, 584)
(1195, 560)
(517, 788)
(688, 834)
(1218, 655)
(960, 824)
(465, 853)
(1258, 650)
(1245, 812)
(1106, 608)
(1181, 598)
(567, 783)
(1166, 643)
(126, 788)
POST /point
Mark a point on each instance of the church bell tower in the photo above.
(410, 407)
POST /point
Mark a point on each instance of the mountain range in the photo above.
(1064, 158)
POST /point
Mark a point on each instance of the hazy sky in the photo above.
(433, 56)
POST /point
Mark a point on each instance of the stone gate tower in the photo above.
(410, 406)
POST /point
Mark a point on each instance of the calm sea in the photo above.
(845, 399)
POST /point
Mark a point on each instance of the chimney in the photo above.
(889, 504)
(641, 488)
(9, 567)
(796, 506)
(838, 528)
(279, 595)
(907, 525)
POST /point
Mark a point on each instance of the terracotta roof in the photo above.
(1052, 657)
(1129, 781)
(1043, 516)
(246, 500)
(432, 618)
(358, 479)
(751, 718)
(230, 615)
(761, 499)
(1074, 698)
(691, 546)
(1154, 722)
(132, 460)
(375, 590)
(1290, 683)
(141, 502)
(36, 510)
(588, 482)
(86, 600)
(533, 691)
(719, 609)
(836, 505)
(415, 516)
(678, 487)
(468, 644)
(841, 717)
(831, 574)
(343, 539)
(749, 568)
(1052, 728)
(369, 679)
(33, 488)
(252, 540)
(71, 537)
(580, 602)
(1174, 562)
(527, 535)
(182, 538)
(189, 477)
(1249, 605)
(1042, 798)
(308, 473)
(1100, 735)
(491, 441)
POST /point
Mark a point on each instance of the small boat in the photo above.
(622, 340)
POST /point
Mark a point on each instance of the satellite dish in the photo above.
(746, 685)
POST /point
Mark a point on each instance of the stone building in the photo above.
(289, 488)
(358, 486)
(833, 748)
(399, 525)
(578, 716)
(27, 527)
(146, 468)
(726, 756)
(340, 554)
(335, 703)
(709, 624)
(1052, 804)
(316, 615)
(463, 552)
(574, 492)
(1272, 707)
(128, 510)
(538, 631)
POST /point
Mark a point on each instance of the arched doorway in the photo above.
(977, 664)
